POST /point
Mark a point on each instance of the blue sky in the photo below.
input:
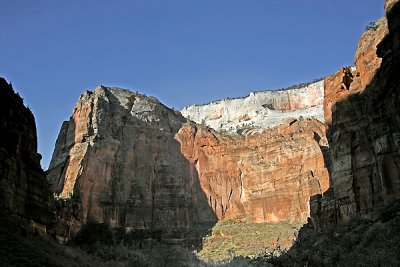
(183, 52)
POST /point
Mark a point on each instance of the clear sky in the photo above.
(183, 52)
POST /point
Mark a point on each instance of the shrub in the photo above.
(371, 26)
(92, 233)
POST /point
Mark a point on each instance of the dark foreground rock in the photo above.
(24, 191)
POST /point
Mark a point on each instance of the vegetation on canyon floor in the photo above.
(229, 243)
(366, 242)
(362, 242)
(230, 239)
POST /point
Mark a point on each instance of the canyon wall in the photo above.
(23, 187)
(362, 111)
(260, 110)
(127, 160)
(263, 177)
(117, 162)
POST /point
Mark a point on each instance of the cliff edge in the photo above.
(24, 191)
(260, 110)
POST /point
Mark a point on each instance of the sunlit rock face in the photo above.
(269, 171)
(127, 160)
(119, 161)
(260, 110)
(23, 187)
(362, 109)
(352, 80)
(263, 177)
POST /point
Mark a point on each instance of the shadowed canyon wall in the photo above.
(23, 187)
(362, 109)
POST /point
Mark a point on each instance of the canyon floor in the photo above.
(362, 242)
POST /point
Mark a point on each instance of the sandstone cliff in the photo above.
(358, 218)
(119, 162)
(126, 160)
(352, 80)
(264, 177)
(362, 108)
(23, 187)
(260, 110)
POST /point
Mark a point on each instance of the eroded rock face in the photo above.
(126, 160)
(364, 132)
(352, 80)
(260, 110)
(117, 158)
(23, 187)
(366, 60)
(265, 177)
(337, 87)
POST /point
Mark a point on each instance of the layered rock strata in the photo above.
(126, 160)
(260, 110)
(118, 161)
(264, 177)
(23, 187)
(364, 127)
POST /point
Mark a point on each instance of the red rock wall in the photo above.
(265, 177)
(364, 130)
(118, 163)
(127, 160)
(352, 80)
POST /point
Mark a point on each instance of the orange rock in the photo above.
(128, 161)
(351, 80)
(118, 162)
(366, 60)
(264, 177)
(362, 109)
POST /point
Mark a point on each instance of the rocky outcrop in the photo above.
(118, 162)
(352, 80)
(260, 110)
(364, 131)
(127, 160)
(23, 187)
(264, 177)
